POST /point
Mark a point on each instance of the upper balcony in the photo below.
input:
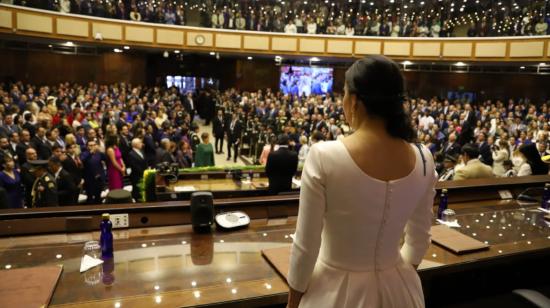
(34, 23)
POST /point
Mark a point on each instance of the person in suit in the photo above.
(451, 147)
(218, 129)
(94, 173)
(137, 163)
(485, 150)
(27, 177)
(163, 154)
(449, 163)
(39, 143)
(149, 147)
(281, 166)
(73, 165)
(22, 146)
(10, 180)
(233, 131)
(125, 144)
(66, 185)
(473, 168)
(44, 189)
(5, 148)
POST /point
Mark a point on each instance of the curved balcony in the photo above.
(20, 21)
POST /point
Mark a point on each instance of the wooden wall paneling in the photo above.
(312, 45)
(397, 48)
(340, 46)
(72, 27)
(139, 34)
(230, 41)
(6, 19)
(169, 37)
(367, 47)
(34, 22)
(256, 42)
(490, 49)
(284, 44)
(526, 49)
(457, 50)
(422, 49)
(109, 31)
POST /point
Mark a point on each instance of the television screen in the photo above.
(306, 80)
(183, 83)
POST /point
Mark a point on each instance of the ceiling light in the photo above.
(50, 46)
(542, 64)
(314, 59)
(117, 50)
(522, 67)
(212, 53)
(407, 62)
(126, 47)
(176, 51)
(69, 43)
(249, 58)
(165, 54)
(460, 64)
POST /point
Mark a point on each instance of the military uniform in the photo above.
(44, 191)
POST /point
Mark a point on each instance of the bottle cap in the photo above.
(105, 216)
(444, 190)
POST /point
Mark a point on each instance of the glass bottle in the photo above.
(106, 238)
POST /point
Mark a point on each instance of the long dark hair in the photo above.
(538, 167)
(379, 85)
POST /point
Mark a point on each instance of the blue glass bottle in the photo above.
(545, 197)
(443, 203)
(106, 238)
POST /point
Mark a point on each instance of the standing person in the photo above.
(94, 175)
(73, 164)
(500, 155)
(218, 129)
(373, 175)
(44, 189)
(281, 166)
(40, 144)
(27, 177)
(10, 180)
(66, 185)
(115, 165)
(205, 152)
(22, 146)
(234, 129)
(304, 149)
(137, 164)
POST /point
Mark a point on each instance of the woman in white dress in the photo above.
(500, 154)
(358, 196)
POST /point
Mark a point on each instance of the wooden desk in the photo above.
(171, 266)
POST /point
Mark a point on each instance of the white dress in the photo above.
(346, 251)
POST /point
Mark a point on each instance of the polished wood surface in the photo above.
(173, 266)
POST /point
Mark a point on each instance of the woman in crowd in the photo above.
(184, 155)
(268, 148)
(304, 149)
(529, 161)
(10, 180)
(115, 165)
(205, 152)
(501, 153)
(375, 175)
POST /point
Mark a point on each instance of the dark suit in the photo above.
(94, 175)
(233, 137)
(45, 192)
(486, 154)
(450, 149)
(138, 166)
(218, 130)
(71, 167)
(163, 156)
(125, 147)
(66, 188)
(27, 179)
(21, 150)
(280, 168)
(149, 150)
(42, 148)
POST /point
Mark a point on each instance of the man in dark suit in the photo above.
(66, 186)
(137, 163)
(281, 167)
(234, 129)
(485, 150)
(40, 144)
(5, 148)
(27, 178)
(125, 145)
(94, 172)
(73, 165)
(218, 129)
(22, 146)
(451, 147)
(149, 147)
(163, 152)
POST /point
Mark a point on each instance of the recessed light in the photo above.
(50, 46)
(407, 62)
(314, 59)
(126, 47)
(176, 51)
(249, 58)
(522, 67)
(460, 64)
(212, 53)
(542, 64)
(117, 50)
(69, 43)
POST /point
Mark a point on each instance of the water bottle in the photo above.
(545, 197)
(442, 203)
(106, 238)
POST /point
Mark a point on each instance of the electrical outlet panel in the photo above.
(120, 221)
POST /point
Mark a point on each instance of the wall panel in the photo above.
(232, 41)
(192, 39)
(108, 31)
(397, 48)
(427, 49)
(490, 50)
(33, 22)
(72, 27)
(526, 49)
(312, 45)
(368, 47)
(284, 44)
(256, 42)
(5, 19)
(457, 50)
(139, 34)
(170, 37)
(340, 46)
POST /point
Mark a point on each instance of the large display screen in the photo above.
(306, 80)
(183, 83)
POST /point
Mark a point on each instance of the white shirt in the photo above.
(290, 28)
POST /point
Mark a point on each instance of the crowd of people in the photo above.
(69, 139)
(433, 19)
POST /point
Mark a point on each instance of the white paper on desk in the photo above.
(246, 182)
(450, 224)
(296, 182)
(544, 210)
(89, 262)
(184, 188)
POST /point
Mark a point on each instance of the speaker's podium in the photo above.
(202, 211)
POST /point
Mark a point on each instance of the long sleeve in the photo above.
(417, 230)
(311, 213)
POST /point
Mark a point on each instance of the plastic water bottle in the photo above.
(443, 203)
(106, 238)
(545, 197)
